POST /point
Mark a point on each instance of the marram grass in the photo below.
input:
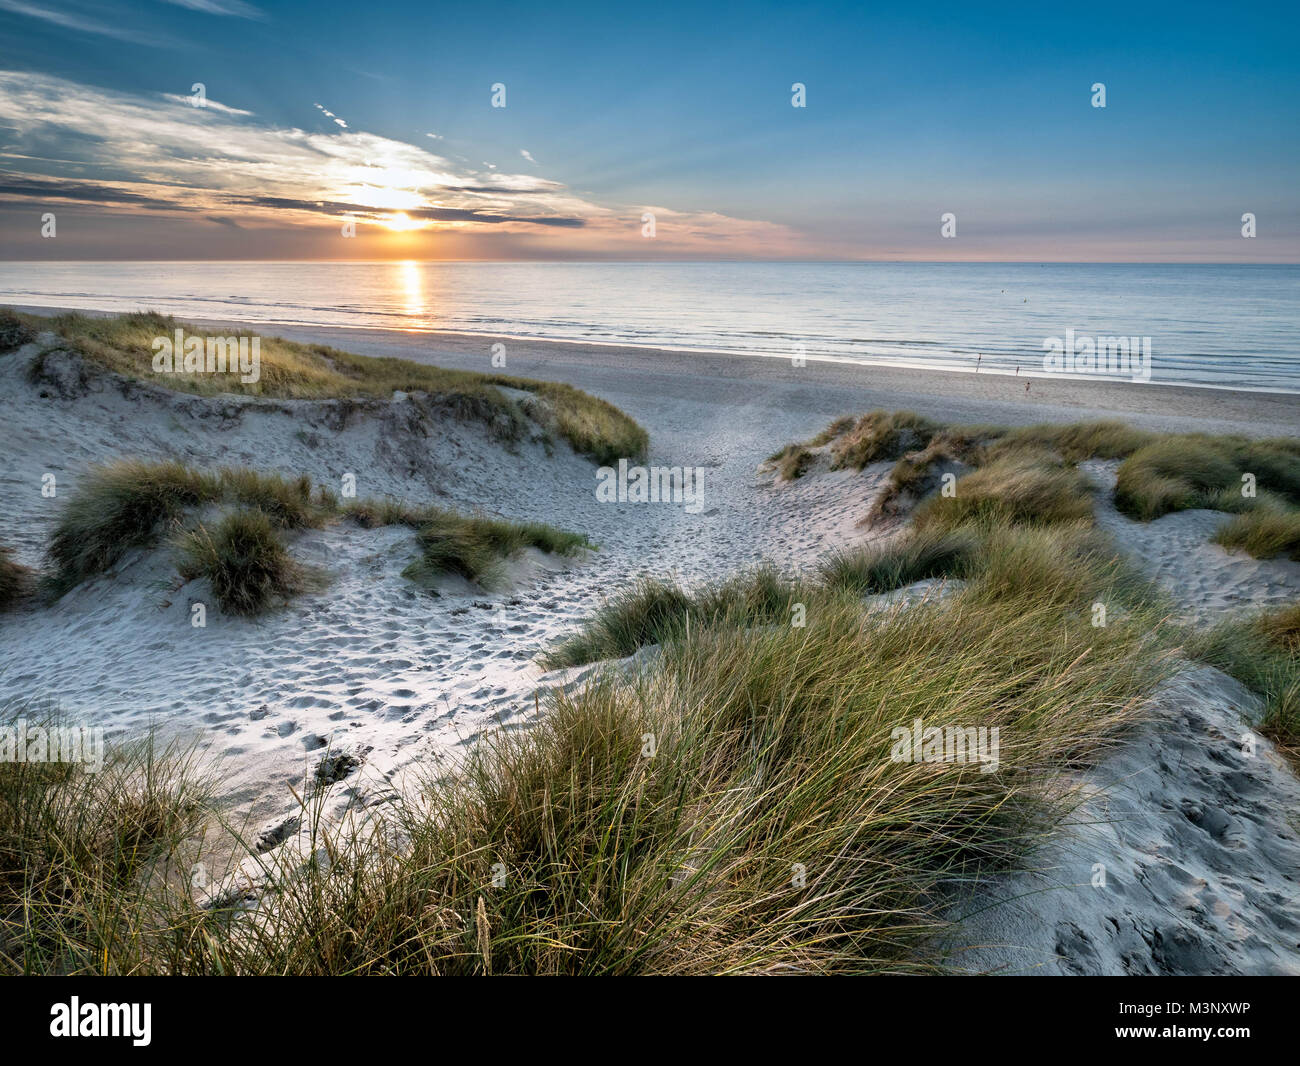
(289, 369)
(237, 540)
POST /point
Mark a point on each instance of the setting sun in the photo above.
(401, 222)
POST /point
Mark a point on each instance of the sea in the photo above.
(1234, 326)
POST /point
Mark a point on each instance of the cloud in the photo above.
(527, 155)
(237, 8)
(330, 114)
(68, 20)
(28, 188)
(179, 99)
(133, 153)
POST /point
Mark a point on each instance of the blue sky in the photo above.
(320, 113)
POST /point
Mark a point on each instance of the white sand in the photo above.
(372, 666)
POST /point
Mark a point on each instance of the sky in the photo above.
(660, 131)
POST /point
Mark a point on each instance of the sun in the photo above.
(401, 222)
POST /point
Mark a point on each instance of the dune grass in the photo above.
(1022, 488)
(791, 462)
(91, 875)
(1029, 469)
(657, 610)
(475, 546)
(16, 580)
(739, 811)
(124, 505)
(1262, 533)
(879, 435)
(245, 561)
(1177, 473)
(289, 369)
(1262, 651)
(14, 332)
(134, 504)
(921, 555)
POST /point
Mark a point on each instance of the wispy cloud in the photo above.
(215, 105)
(71, 20)
(221, 7)
(527, 155)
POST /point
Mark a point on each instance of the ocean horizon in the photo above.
(1209, 325)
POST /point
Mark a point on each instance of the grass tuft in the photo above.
(91, 880)
(880, 435)
(119, 507)
(915, 557)
(1262, 533)
(1024, 489)
(1262, 651)
(245, 561)
(474, 546)
(16, 580)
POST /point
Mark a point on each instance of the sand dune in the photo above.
(1200, 856)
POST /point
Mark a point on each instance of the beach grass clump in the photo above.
(91, 875)
(836, 428)
(289, 369)
(132, 503)
(16, 580)
(1263, 533)
(658, 610)
(1262, 651)
(1178, 473)
(475, 546)
(902, 561)
(287, 502)
(124, 505)
(1074, 442)
(1022, 488)
(245, 561)
(1281, 627)
(880, 435)
(373, 512)
(239, 545)
(791, 462)
(14, 331)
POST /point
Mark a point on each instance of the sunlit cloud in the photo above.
(159, 154)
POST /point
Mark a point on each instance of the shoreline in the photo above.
(731, 353)
(631, 376)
